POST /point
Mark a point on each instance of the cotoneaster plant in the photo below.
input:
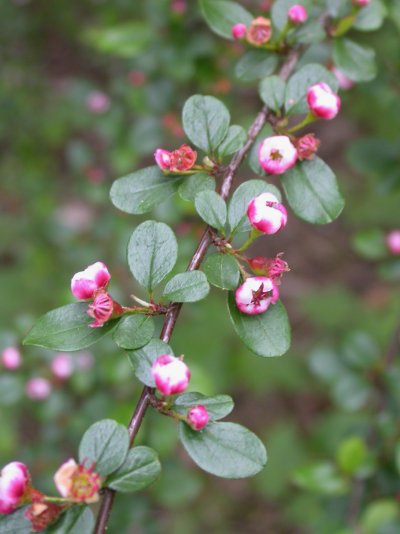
(202, 171)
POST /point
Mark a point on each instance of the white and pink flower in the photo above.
(38, 388)
(11, 358)
(256, 294)
(14, 485)
(78, 483)
(266, 213)
(170, 374)
(322, 101)
(393, 242)
(277, 154)
(198, 417)
(297, 14)
(239, 31)
(85, 283)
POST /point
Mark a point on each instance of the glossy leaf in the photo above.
(212, 209)
(192, 185)
(142, 360)
(67, 328)
(205, 121)
(152, 253)
(106, 443)
(140, 469)
(218, 407)
(221, 15)
(226, 450)
(354, 60)
(134, 331)
(312, 192)
(141, 191)
(266, 334)
(222, 271)
(255, 65)
(187, 287)
(234, 140)
(272, 92)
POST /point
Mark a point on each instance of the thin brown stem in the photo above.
(173, 312)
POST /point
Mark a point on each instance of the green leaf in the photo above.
(272, 92)
(380, 514)
(351, 392)
(371, 17)
(134, 331)
(280, 9)
(309, 33)
(76, 520)
(237, 210)
(312, 192)
(141, 191)
(212, 209)
(218, 407)
(234, 140)
(67, 329)
(192, 185)
(143, 359)
(320, 478)
(266, 334)
(222, 271)
(360, 350)
(226, 450)
(152, 253)
(352, 454)
(370, 244)
(255, 65)
(106, 443)
(296, 89)
(187, 287)
(355, 61)
(15, 523)
(140, 468)
(125, 40)
(206, 121)
(221, 15)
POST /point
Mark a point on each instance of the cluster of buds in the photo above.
(180, 160)
(92, 284)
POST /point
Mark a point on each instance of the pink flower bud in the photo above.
(307, 146)
(78, 483)
(277, 154)
(11, 358)
(259, 32)
(38, 388)
(256, 294)
(361, 3)
(183, 159)
(14, 484)
(239, 31)
(198, 417)
(97, 102)
(102, 309)
(163, 159)
(344, 82)
(270, 267)
(322, 101)
(85, 283)
(170, 374)
(393, 242)
(62, 365)
(266, 214)
(178, 6)
(297, 14)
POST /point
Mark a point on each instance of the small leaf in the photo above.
(76, 520)
(67, 329)
(141, 191)
(309, 33)
(126, 40)
(371, 17)
(226, 450)
(187, 287)
(266, 334)
(352, 455)
(15, 523)
(212, 209)
(255, 65)
(296, 89)
(237, 210)
(140, 468)
(312, 192)
(134, 331)
(355, 61)
(106, 443)
(152, 253)
(218, 407)
(272, 92)
(205, 121)
(143, 359)
(221, 15)
(192, 185)
(370, 244)
(320, 478)
(222, 271)
(234, 140)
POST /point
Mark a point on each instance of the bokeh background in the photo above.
(88, 90)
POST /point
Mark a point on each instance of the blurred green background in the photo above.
(88, 90)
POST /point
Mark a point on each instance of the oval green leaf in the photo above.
(187, 287)
(234, 140)
(312, 192)
(222, 271)
(354, 60)
(134, 331)
(266, 334)
(140, 469)
(192, 185)
(371, 17)
(212, 209)
(272, 92)
(255, 65)
(226, 450)
(221, 15)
